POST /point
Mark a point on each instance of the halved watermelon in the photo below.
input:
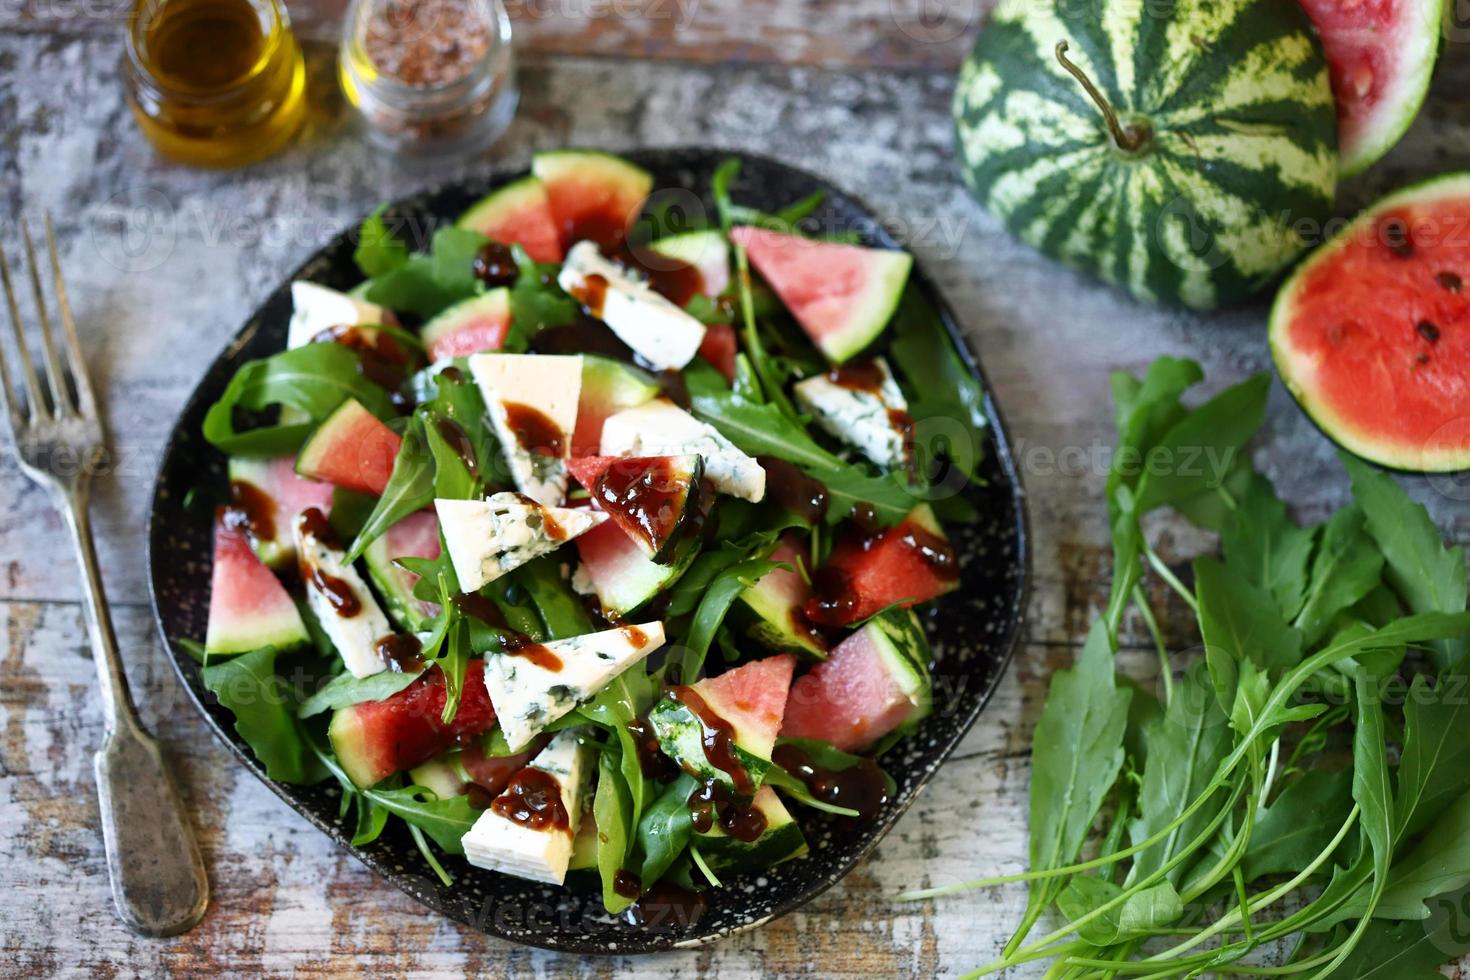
(842, 295)
(415, 536)
(719, 347)
(351, 449)
(748, 702)
(248, 606)
(1380, 55)
(1371, 334)
(909, 563)
(618, 571)
(654, 499)
(594, 196)
(773, 610)
(517, 214)
(469, 326)
(608, 387)
(875, 682)
(267, 494)
(375, 739)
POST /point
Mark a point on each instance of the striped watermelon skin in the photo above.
(1241, 161)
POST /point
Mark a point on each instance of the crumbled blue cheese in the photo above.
(527, 696)
(550, 384)
(499, 844)
(318, 308)
(355, 636)
(861, 417)
(661, 428)
(661, 333)
(487, 538)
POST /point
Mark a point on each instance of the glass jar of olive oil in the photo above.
(215, 83)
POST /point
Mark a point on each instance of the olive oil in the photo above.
(216, 83)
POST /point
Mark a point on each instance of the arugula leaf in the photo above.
(761, 429)
(1239, 622)
(891, 499)
(345, 689)
(1197, 451)
(1150, 908)
(722, 592)
(264, 717)
(454, 661)
(1434, 765)
(1429, 576)
(452, 477)
(445, 821)
(410, 488)
(1295, 828)
(1265, 545)
(1438, 863)
(378, 250)
(1143, 411)
(1346, 568)
(560, 608)
(536, 302)
(454, 250)
(939, 384)
(1076, 756)
(664, 831)
(1411, 950)
(611, 809)
(413, 287)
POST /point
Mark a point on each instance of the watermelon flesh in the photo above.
(908, 563)
(752, 698)
(593, 196)
(719, 347)
(1380, 54)
(267, 494)
(842, 295)
(375, 739)
(851, 699)
(1372, 332)
(518, 214)
(415, 536)
(469, 327)
(352, 450)
(248, 606)
(608, 387)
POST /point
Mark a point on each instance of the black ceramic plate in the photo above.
(973, 629)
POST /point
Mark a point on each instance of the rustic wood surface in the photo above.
(164, 263)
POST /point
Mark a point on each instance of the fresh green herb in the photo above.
(378, 250)
(410, 488)
(612, 810)
(265, 717)
(722, 592)
(345, 689)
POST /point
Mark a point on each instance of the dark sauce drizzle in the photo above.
(651, 759)
(861, 787)
(339, 594)
(533, 800)
(521, 645)
(251, 510)
(666, 907)
(455, 436)
(718, 739)
(534, 431)
(402, 652)
(715, 802)
(792, 490)
(649, 494)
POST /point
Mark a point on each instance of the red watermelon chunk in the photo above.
(594, 196)
(518, 214)
(469, 327)
(909, 563)
(719, 347)
(375, 739)
(752, 698)
(351, 449)
(267, 494)
(248, 606)
(855, 697)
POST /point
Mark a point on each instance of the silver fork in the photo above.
(158, 879)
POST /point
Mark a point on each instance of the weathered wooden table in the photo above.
(164, 263)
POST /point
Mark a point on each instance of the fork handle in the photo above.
(158, 880)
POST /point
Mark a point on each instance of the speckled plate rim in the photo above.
(412, 885)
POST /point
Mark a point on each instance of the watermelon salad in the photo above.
(584, 549)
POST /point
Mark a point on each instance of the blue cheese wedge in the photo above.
(532, 401)
(342, 603)
(661, 428)
(487, 538)
(662, 334)
(498, 843)
(863, 408)
(316, 309)
(535, 685)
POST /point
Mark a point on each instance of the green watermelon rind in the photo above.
(781, 840)
(1292, 370)
(878, 302)
(495, 301)
(900, 640)
(350, 744)
(327, 437)
(681, 738)
(637, 586)
(1417, 58)
(705, 250)
(276, 551)
(1035, 152)
(488, 210)
(283, 631)
(398, 599)
(766, 619)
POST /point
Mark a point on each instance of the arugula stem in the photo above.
(423, 846)
(1169, 577)
(1244, 904)
(1270, 773)
(1166, 672)
(769, 385)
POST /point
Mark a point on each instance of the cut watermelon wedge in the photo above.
(469, 326)
(875, 682)
(517, 214)
(351, 449)
(267, 494)
(654, 499)
(773, 610)
(415, 536)
(1381, 54)
(608, 387)
(842, 295)
(705, 252)
(617, 570)
(909, 563)
(375, 739)
(248, 606)
(719, 347)
(594, 196)
(1371, 334)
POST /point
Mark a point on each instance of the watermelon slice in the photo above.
(617, 570)
(454, 771)
(909, 563)
(719, 347)
(594, 196)
(375, 739)
(469, 326)
(351, 449)
(267, 494)
(517, 214)
(773, 610)
(415, 536)
(681, 266)
(248, 606)
(1371, 334)
(875, 683)
(1380, 55)
(748, 702)
(654, 499)
(842, 295)
(608, 387)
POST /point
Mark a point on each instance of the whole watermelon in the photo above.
(1188, 154)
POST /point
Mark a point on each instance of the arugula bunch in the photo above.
(1297, 799)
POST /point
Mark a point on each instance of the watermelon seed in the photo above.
(1449, 281)
(1396, 237)
(1427, 330)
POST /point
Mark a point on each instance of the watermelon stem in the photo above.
(1130, 138)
